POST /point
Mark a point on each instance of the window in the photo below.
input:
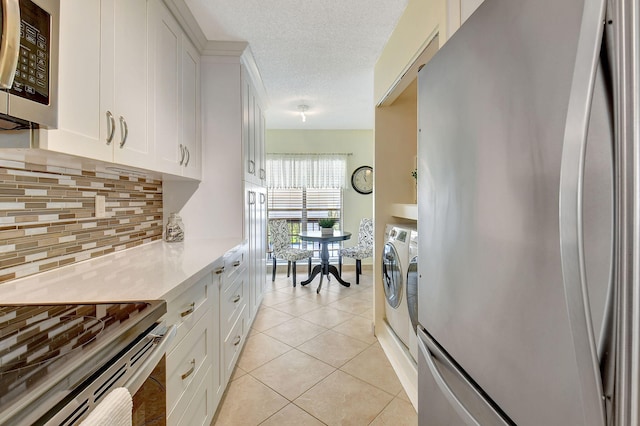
(302, 208)
(303, 188)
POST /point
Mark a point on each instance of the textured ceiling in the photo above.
(320, 53)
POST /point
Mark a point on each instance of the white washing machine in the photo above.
(399, 248)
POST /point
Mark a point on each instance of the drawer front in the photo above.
(197, 410)
(233, 343)
(232, 302)
(234, 265)
(187, 309)
(187, 362)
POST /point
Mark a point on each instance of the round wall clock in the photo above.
(362, 179)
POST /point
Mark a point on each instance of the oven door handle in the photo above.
(135, 382)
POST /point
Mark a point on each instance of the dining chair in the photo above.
(281, 241)
(361, 251)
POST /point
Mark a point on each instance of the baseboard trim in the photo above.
(400, 359)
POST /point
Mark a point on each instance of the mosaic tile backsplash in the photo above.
(47, 216)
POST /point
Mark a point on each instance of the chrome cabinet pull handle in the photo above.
(111, 127)
(219, 270)
(263, 198)
(181, 154)
(188, 156)
(10, 47)
(263, 174)
(236, 299)
(236, 263)
(252, 167)
(237, 340)
(192, 306)
(124, 129)
(193, 367)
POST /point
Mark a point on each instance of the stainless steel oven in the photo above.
(58, 362)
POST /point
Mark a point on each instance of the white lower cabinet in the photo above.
(193, 360)
(187, 363)
(200, 408)
(213, 321)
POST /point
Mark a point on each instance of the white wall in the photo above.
(359, 143)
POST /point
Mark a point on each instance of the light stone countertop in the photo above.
(153, 271)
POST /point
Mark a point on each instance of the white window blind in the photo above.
(317, 171)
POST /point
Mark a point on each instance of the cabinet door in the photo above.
(79, 117)
(164, 99)
(124, 82)
(250, 219)
(261, 244)
(248, 128)
(190, 108)
(261, 172)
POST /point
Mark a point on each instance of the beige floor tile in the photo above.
(295, 332)
(271, 298)
(296, 306)
(252, 332)
(269, 317)
(403, 395)
(353, 304)
(292, 374)
(323, 298)
(292, 415)
(359, 328)
(327, 317)
(237, 373)
(259, 350)
(373, 367)
(333, 348)
(367, 314)
(248, 402)
(335, 287)
(397, 413)
(341, 399)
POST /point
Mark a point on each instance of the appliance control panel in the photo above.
(31, 79)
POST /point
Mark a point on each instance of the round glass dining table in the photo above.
(324, 268)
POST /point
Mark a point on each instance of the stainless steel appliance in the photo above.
(525, 155)
(29, 63)
(60, 361)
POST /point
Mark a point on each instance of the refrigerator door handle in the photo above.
(571, 193)
(432, 352)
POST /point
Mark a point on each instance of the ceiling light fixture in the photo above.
(302, 109)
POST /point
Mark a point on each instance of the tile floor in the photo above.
(313, 359)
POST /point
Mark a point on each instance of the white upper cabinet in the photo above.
(174, 101)
(79, 117)
(458, 11)
(190, 113)
(128, 87)
(252, 133)
(124, 83)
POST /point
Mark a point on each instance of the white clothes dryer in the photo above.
(395, 263)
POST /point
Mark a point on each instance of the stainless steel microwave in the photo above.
(29, 63)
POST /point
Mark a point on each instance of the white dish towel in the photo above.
(116, 409)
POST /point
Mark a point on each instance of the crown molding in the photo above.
(188, 22)
(224, 48)
(219, 48)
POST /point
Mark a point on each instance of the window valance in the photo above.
(314, 171)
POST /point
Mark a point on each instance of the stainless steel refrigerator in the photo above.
(526, 210)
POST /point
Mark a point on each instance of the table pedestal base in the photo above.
(325, 270)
